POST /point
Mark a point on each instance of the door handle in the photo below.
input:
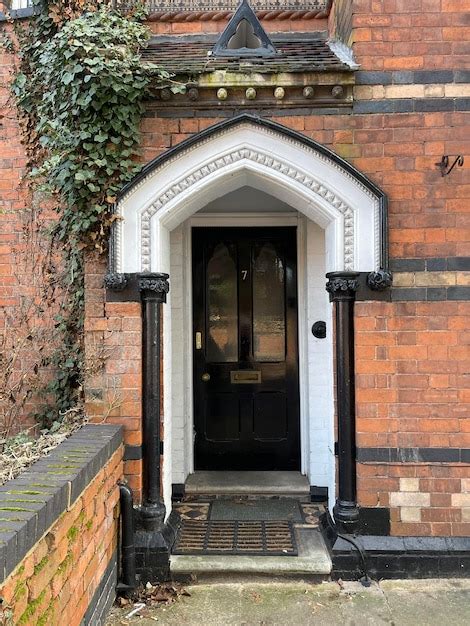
(205, 377)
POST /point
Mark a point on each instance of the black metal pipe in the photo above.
(128, 566)
(342, 287)
(153, 289)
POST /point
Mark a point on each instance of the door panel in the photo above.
(222, 417)
(246, 396)
(270, 416)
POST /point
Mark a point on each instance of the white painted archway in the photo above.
(262, 155)
(314, 182)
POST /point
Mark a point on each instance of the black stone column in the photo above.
(342, 287)
(153, 290)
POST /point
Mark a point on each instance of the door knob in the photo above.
(206, 377)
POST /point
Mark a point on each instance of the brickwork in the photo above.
(12, 198)
(113, 345)
(412, 362)
(412, 385)
(217, 26)
(411, 34)
(55, 582)
(410, 109)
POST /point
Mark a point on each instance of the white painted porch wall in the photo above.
(317, 408)
(320, 410)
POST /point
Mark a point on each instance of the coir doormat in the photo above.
(251, 538)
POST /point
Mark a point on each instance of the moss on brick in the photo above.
(65, 465)
(46, 486)
(41, 565)
(65, 563)
(25, 492)
(72, 533)
(26, 501)
(45, 618)
(20, 590)
(31, 608)
(15, 508)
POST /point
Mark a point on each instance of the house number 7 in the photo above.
(244, 274)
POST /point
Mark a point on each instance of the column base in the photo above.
(153, 549)
(346, 514)
(151, 516)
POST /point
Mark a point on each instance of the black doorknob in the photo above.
(319, 330)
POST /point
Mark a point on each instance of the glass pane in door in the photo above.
(222, 306)
(269, 323)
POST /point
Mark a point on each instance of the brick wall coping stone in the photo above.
(31, 503)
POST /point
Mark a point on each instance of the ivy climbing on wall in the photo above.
(80, 87)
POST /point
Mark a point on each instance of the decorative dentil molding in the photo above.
(173, 190)
(266, 131)
(261, 158)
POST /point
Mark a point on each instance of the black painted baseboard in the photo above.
(395, 557)
(402, 557)
(318, 494)
(104, 596)
(374, 521)
(177, 492)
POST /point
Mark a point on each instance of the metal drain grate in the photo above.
(262, 538)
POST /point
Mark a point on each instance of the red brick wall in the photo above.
(212, 26)
(113, 347)
(428, 217)
(411, 34)
(12, 197)
(55, 582)
(413, 381)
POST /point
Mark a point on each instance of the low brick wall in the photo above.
(58, 532)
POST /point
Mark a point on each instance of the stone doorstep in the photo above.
(288, 484)
(312, 562)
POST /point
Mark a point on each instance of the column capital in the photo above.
(115, 281)
(342, 285)
(154, 285)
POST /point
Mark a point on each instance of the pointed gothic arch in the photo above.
(247, 150)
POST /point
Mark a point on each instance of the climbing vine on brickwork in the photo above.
(79, 89)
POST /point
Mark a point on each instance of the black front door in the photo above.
(246, 389)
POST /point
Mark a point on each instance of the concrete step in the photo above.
(289, 484)
(313, 564)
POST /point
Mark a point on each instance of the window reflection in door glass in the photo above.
(222, 307)
(269, 326)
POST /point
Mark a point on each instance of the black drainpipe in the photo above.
(127, 581)
(153, 289)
